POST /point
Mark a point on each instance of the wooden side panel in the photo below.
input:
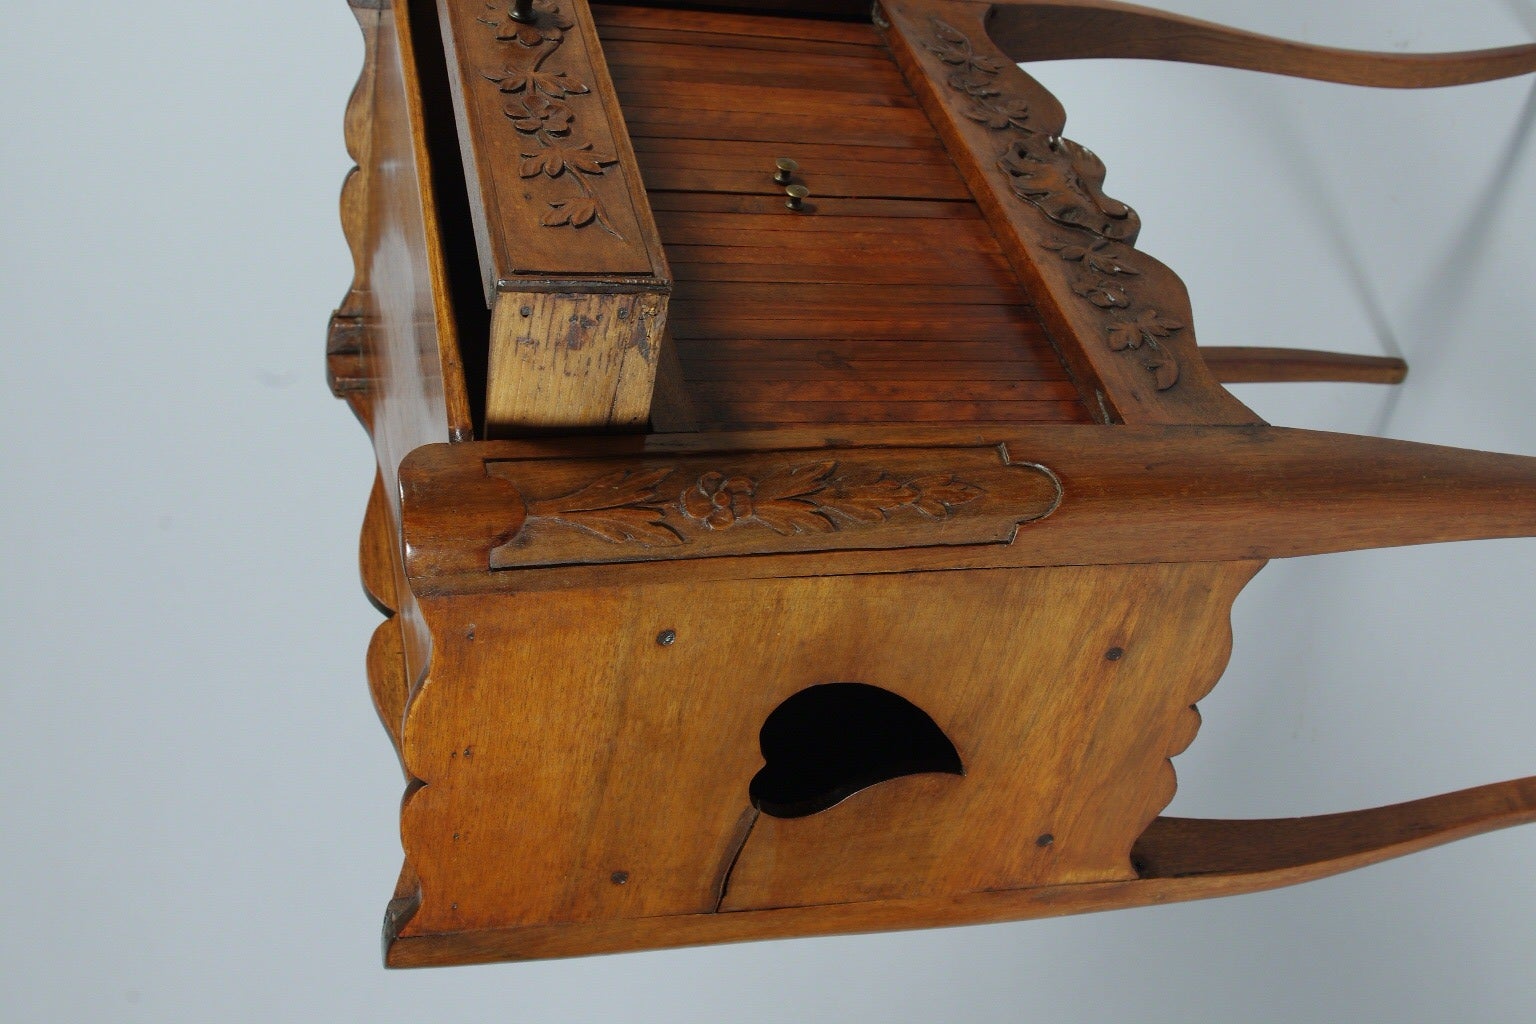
(586, 754)
(1122, 319)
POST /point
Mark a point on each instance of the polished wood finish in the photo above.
(660, 457)
(572, 265)
(1235, 862)
(629, 757)
(1028, 30)
(1276, 365)
(1128, 495)
(781, 318)
(1138, 355)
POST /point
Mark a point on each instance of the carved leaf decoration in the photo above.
(625, 525)
(532, 113)
(1090, 172)
(949, 34)
(973, 83)
(556, 84)
(611, 490)
(1099, 256)
(1124, 335)
(556, 160)
(790, 517)
(999, 114)
(951, 47)
(939, 495)
(795, 482)
(872, 502)
(548, 25)
(1103, 293)
(1145, 327)
(578, 213)
(1165, 370)
(987, 65)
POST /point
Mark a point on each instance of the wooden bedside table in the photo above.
(801, 508)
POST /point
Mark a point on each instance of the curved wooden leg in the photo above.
(1240, 365)
(1029, 30)
(1246, 856)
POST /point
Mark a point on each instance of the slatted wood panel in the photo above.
(890, 301)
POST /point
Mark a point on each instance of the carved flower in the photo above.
(533, 112)
(1000, 113)
(551, 83)
(556, 160)
(548, 24)
(720, 501)
(1142, 328)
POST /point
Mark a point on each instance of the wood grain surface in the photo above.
(767, 299)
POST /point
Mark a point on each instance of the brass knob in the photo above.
(785, 169)
(522, 10)
(797, 194)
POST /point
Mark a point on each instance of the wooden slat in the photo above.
(608, 32)
(870, 71)
(836, 295)
(969, 233)
(936, 321)
(849, 352)
(889, 299)
(816, 152)
(890, 274)
(755, 26)
(783, 128)
(935, 332)
(892, 412)
(1023, 368)
(882, 209)
(720, 392)
(760, 181)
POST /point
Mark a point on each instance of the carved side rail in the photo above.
(1120, 318)
(583, 511)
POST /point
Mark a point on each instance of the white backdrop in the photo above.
(198, 810)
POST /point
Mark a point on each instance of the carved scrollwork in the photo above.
(1064, 181)
(538, 109)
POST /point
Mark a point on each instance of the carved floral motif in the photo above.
(641, 506)
(539, 112)
(1064, 181)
